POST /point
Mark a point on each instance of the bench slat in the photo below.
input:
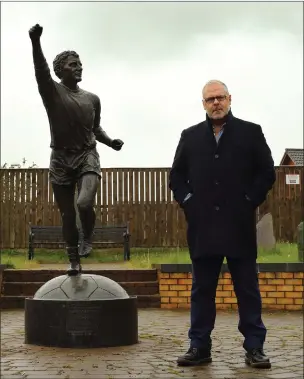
(100, 233)
(53, 234)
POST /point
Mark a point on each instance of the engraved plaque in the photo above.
(82, 318)
(84, 324)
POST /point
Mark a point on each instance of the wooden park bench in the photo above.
(103, 235)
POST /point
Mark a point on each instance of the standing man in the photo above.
(222, 171)
(74, 116)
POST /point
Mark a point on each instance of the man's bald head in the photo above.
(217, 82)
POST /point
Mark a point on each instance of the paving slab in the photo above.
(163, 336)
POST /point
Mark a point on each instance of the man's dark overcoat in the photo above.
(228, 180)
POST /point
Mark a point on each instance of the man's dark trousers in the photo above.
(205, 272)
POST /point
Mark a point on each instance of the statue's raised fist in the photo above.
(35, 32)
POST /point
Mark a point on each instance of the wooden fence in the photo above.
(140, 196)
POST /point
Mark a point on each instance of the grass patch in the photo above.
(140, 257)
(19, 259)
(283, 253)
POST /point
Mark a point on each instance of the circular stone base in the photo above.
(66, 312)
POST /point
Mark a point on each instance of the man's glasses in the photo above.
(211, 100)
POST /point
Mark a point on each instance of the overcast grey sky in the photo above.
(148, 62)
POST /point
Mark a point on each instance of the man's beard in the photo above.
(219, 117)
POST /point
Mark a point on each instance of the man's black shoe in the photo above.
(257, 359)
(194, 357)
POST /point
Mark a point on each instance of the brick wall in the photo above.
(279, 290)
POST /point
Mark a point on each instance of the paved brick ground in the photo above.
(163, 336)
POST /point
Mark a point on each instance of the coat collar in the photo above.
(229, 118)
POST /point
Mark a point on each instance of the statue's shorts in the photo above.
(67, 167)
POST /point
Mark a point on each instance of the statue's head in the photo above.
(68, 67)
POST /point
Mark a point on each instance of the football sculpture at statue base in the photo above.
(81, 311)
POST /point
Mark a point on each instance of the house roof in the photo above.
(296, 155)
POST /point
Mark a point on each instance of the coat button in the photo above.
(217, 208)
(216, 156)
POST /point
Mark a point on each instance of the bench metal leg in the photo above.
(31, 248)
(126, 248)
